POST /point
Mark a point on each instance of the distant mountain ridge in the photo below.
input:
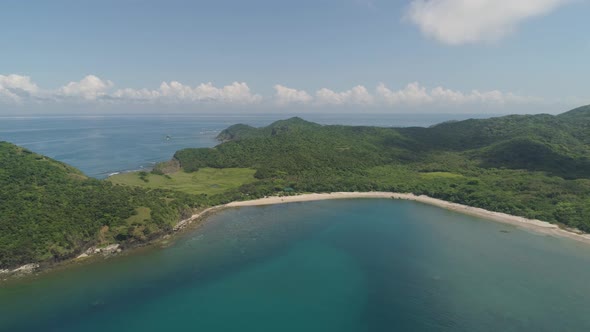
(556, 144)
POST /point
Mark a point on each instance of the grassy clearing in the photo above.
(204, 181)
(143, 214)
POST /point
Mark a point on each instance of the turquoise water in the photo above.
(347, 265)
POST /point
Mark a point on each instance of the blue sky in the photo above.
(369, 55)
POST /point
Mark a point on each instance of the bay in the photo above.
(342, 265)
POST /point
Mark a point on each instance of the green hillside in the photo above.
(536, 166)
(50, 211)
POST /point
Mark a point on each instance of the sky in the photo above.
(373, 56)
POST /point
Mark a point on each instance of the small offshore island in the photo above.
(518, 168)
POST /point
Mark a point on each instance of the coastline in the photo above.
(534, 225)
(538, 226)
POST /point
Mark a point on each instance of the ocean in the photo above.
(342, 265)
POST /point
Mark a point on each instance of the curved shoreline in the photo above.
(535, 225)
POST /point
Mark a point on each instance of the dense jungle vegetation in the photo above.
(50, 211)
(536, 166)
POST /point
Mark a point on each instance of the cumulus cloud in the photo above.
(415, 94)
(92, 89)
(16, 87)
(359, 95)
(89, 88)
(235, 93)
(286, 96)
(412, 94)
(459, 21)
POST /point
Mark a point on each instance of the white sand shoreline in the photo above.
(537, 226)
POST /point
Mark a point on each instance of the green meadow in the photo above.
(204, 181)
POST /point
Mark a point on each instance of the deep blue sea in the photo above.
(343, 265)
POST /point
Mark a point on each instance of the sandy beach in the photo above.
(538, 226)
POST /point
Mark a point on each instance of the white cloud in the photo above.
(359, 95)
(89, 88)
(16, 87)
(286, 96)
(468, 21)
(235, 93)
(412, 94)
(415, 94)
(238, 93)
(136, 94)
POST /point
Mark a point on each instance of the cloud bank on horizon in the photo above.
(17, 89)
(458, 22)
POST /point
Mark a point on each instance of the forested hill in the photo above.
(50, 211)
(531, 165)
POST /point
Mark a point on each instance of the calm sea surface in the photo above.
(352, 265)
(349, 265)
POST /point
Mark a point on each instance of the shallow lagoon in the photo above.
(343, 265)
